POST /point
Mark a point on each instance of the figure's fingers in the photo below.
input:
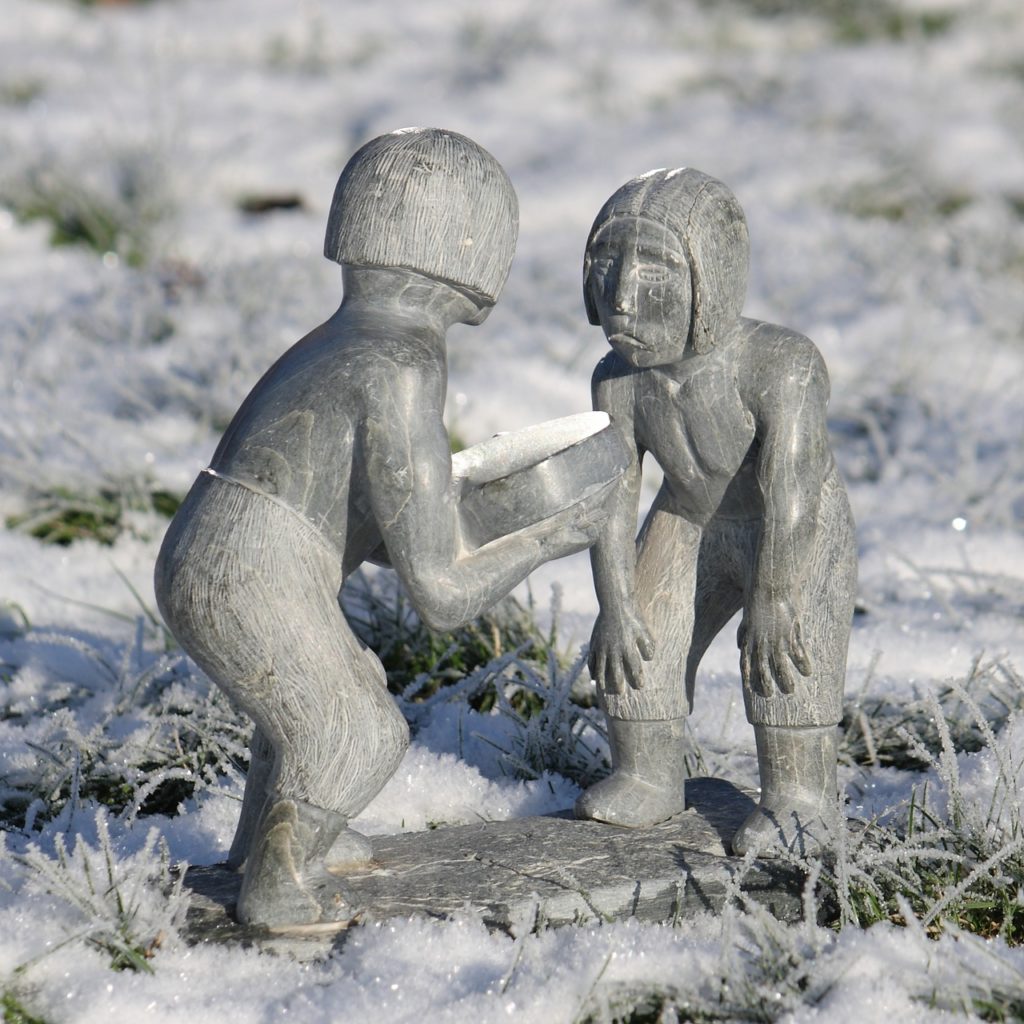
(634, 669)
(741, 634)
(782, 673)
(745, 664)
(614, 683)
(584, 529)
(798, 652)
(645, 645)
(764, 670)
(597, 517)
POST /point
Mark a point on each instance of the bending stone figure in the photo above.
(338, 455)
(751, 515)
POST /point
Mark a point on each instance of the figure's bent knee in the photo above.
(394, 736)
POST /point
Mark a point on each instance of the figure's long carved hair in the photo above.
(712, 232)
(428, 200)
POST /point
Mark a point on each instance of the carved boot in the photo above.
(647, 784)
(799, 806)
(287, 886)
(351, 849)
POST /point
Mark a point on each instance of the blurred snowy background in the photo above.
(165, 174)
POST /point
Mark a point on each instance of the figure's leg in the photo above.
(339, 738)
(646, 725)
(253, 600)
(796, 733)
(348, 850)
(719, 591)
(258, 780)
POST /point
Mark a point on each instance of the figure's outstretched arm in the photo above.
(620, 642)
(793, 461)
(408, 460)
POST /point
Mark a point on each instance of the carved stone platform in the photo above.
(554, 870)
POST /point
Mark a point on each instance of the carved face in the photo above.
(640, 288)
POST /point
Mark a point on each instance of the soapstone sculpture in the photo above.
(340, 455)
(752, 515)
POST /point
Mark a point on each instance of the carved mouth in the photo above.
(623, 340)
(629, 348)
(634, 351)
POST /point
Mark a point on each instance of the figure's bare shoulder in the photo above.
(611, 386)
(781, 371)
(398, 377)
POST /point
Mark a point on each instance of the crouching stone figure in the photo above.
(751, 516)
(339, 455)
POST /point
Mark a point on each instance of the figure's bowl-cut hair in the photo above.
(428, 200)
(709, 223)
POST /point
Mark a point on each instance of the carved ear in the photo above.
(588, 301)
(702, 337)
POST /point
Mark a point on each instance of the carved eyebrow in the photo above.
(660, 254)
(648, 250)
(604, 247)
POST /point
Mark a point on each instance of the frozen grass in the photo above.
(138, 737)
(114, 217)
(128, 906)
(130, 728)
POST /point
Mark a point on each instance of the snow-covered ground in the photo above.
(878, 150)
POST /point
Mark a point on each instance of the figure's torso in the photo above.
(702, 434)
(298, 436)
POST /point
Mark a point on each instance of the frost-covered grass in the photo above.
(165, 170)
(89, 790)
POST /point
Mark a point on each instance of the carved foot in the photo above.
(799, 807)
(351, 849)
(287, 886)
(629, 801)
(798, 827)
(647, 784)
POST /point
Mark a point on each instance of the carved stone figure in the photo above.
(340, 455)
(751, 516)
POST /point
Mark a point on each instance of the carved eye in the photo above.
(653, 273)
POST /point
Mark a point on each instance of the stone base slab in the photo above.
(547, 871)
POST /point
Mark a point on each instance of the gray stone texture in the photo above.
(752, 515)
(340, 455)
(534, 872)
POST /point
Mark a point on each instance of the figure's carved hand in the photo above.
(579, 526)
(771, 647)
(618, 647)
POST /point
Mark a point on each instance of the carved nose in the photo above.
(623, 301)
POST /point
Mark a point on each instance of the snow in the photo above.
(883, 180)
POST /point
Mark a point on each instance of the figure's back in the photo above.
(293, 438)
